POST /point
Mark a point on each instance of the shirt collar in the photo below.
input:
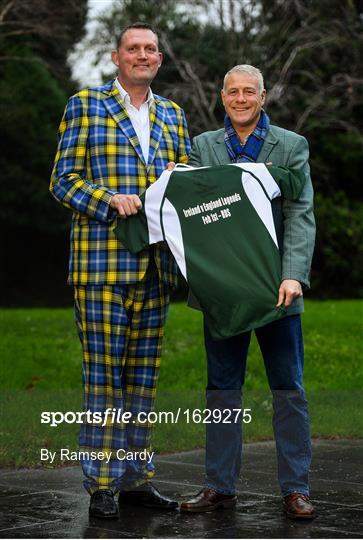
(125, 96)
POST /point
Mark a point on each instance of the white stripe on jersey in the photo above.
(260, 202)
(153, 197)
(174, 235)
(264, 176)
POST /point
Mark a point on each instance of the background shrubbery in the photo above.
(310, 53)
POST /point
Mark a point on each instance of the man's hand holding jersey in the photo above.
(129, 205)
(288, 291)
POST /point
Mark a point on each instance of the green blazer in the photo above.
(294, 221)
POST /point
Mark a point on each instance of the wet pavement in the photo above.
(51, 503)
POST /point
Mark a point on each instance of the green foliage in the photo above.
(30, 107)
(338, 163)
(36, 37)
(338, 260)
(49, 29)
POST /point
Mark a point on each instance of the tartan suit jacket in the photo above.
(99, 155)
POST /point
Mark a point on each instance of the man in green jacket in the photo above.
(248, 136)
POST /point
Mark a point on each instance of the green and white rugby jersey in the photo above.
(218, 223)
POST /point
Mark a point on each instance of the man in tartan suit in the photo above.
(114, 141)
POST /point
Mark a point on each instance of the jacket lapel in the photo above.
(267, 147)
(220, 150)
(157, 120)
(116, 109)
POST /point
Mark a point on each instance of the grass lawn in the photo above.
(41, 371)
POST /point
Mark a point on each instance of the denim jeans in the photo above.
(281, 345)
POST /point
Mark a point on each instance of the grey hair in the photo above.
(246, 68)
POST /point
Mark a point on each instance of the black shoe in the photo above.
(148, 496)
(103, 505)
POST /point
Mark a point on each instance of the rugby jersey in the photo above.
(218, 223)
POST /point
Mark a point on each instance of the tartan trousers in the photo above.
(121, 330)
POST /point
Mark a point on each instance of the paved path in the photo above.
(50, 503)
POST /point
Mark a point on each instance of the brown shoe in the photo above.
(298, 506)
(208, 500)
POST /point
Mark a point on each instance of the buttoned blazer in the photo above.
(294, 220)
(99, 155)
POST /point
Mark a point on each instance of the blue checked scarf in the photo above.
(249, 151)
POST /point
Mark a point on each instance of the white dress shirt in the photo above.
(139, 118)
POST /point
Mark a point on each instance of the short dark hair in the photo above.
(143, 26)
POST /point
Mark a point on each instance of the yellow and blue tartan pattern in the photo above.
(99, 155)
(121, 330)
